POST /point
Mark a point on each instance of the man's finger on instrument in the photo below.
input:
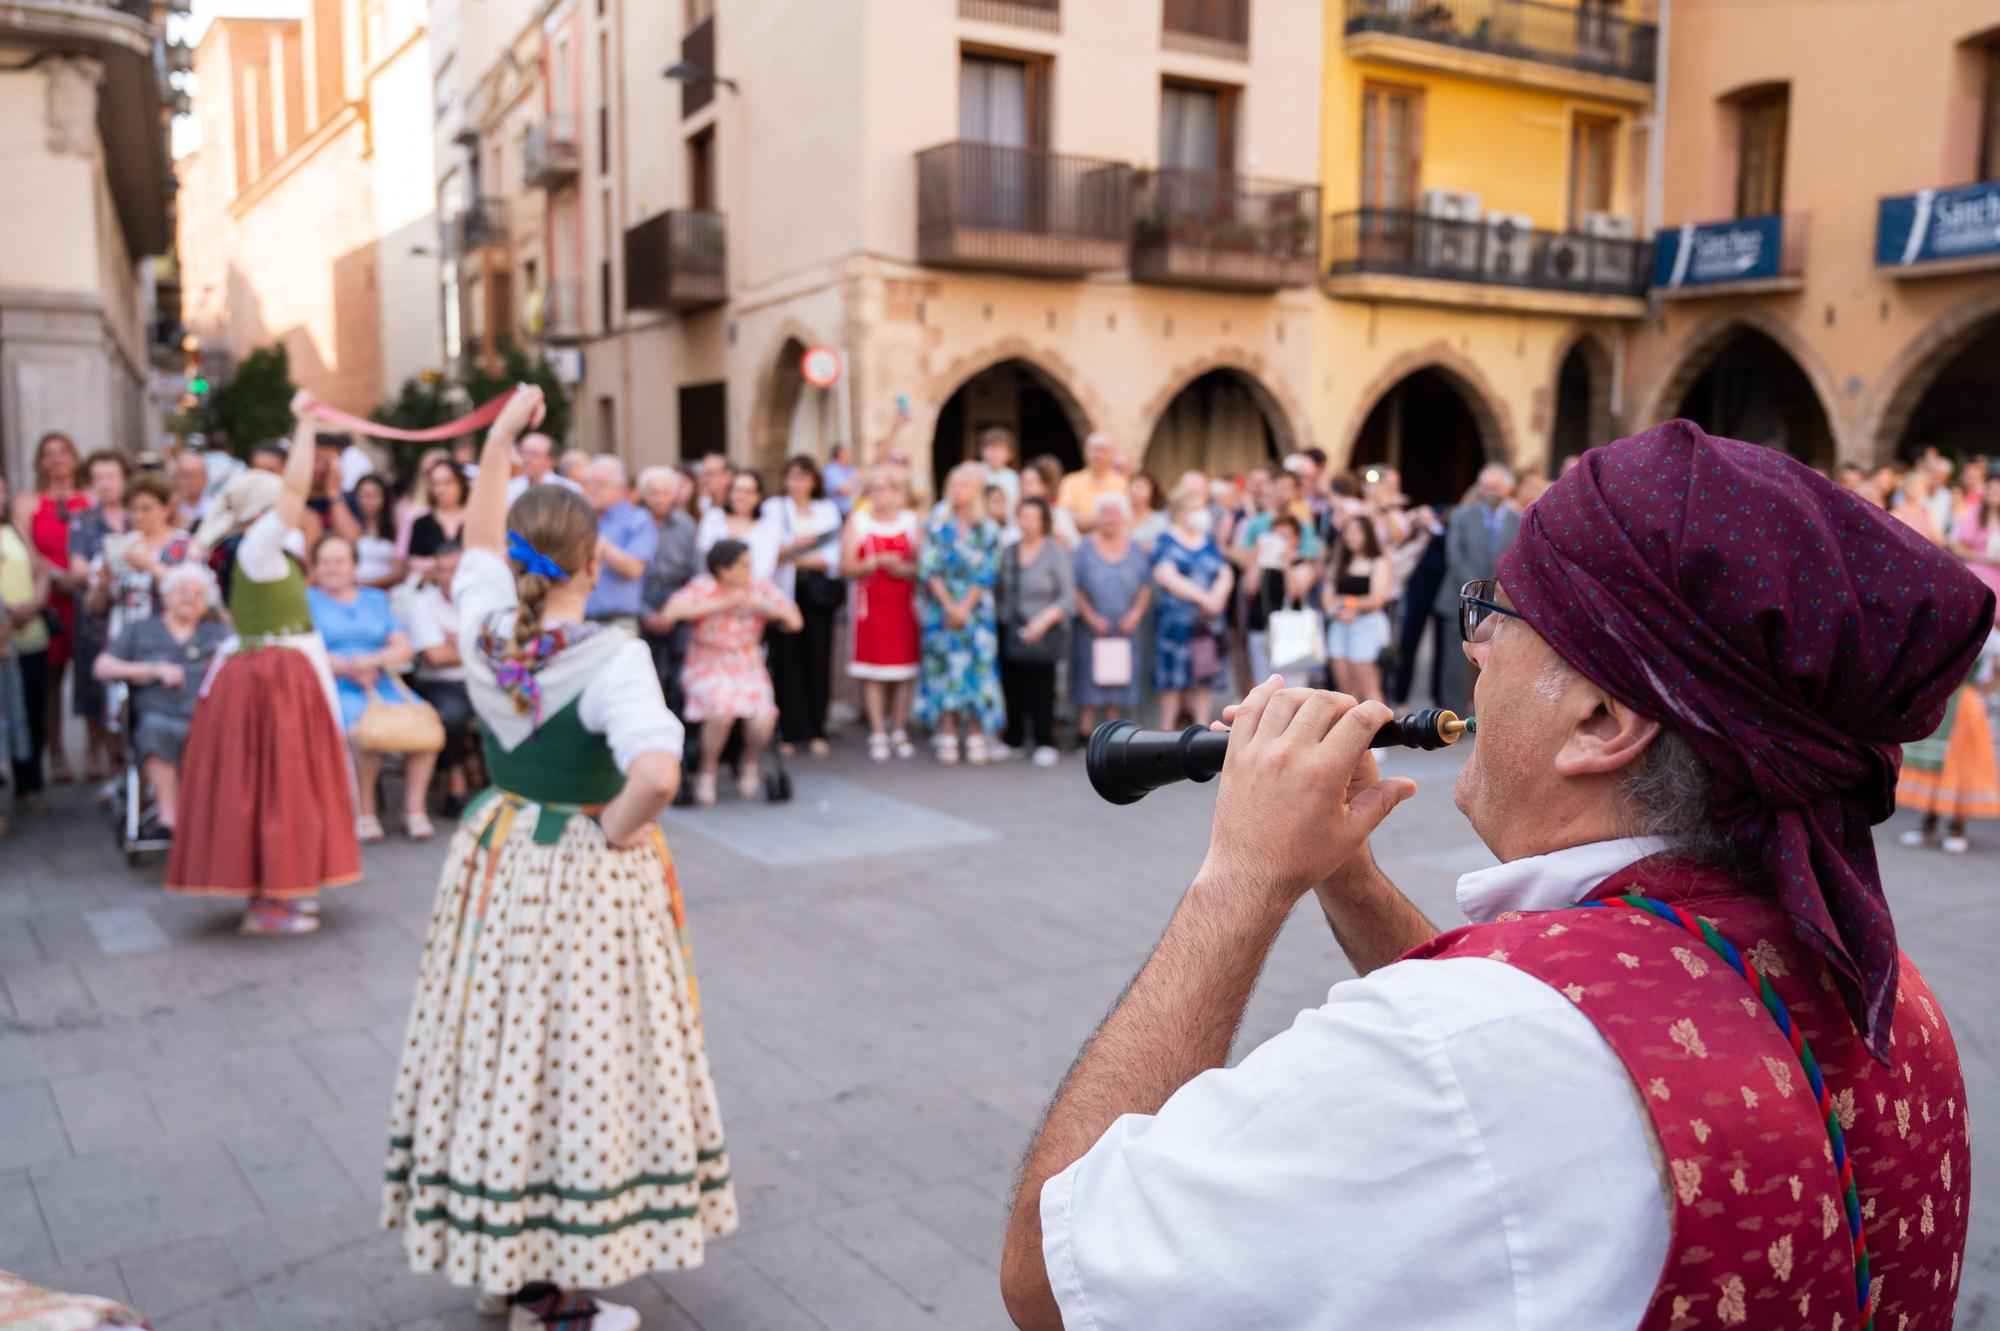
(1371, 804)
(1281, 711)
(1250, 712)
(1347, 742)
(1318, 712)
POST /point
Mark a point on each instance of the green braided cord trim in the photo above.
(498, 1231)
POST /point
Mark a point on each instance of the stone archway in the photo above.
(1218, 415)
(1935, 354)
(1579, 399)
(1453, 407)
(790, 415)
(1699, 351)
(1017, 392)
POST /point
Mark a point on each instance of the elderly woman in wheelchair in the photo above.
(162, 659)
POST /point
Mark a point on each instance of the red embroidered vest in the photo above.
(1759, 1235)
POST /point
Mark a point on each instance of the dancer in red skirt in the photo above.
(267, 802)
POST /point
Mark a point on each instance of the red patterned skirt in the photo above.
(267, 802)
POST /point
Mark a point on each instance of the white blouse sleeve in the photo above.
(1458, 1107)
(482, 587)
(714, 526)
(260, 556)
(624, 704)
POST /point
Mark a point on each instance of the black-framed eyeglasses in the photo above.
(1479, 610)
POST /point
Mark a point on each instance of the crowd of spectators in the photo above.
(1010, 615)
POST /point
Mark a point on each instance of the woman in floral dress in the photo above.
(1194, 581)
(723, 677)
(960, 681)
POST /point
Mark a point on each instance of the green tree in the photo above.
(256, 404)
(519, 369)
(419, 404)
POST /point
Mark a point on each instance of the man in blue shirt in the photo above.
(626, 541)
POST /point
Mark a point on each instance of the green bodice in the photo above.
(561, 763)
(266, 609)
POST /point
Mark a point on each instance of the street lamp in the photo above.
(682, 71)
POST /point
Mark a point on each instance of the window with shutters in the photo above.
(1391, 129)
(1760, 161)
(1593, 146)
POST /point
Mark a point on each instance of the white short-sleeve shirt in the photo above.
(1443, 1144)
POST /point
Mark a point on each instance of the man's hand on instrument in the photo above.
(1300, 792)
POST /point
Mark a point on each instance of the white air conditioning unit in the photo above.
(1567, 260)
(1616, 262)
(1450, 246)
(1456, 204)
(1510, 244)
(1607, 226)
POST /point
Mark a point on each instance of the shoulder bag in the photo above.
(398, 727)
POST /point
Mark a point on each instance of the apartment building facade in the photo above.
(1054, 216)
(83, 199)
(1485, 173)
(1828, 268)
(307, 214)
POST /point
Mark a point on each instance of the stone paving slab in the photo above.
(896, 970)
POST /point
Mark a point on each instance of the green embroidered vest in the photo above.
(561, 763)
(267, 609)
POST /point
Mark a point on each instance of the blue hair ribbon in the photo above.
(532, 560)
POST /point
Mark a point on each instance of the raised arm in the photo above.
(486, 510)
(298, 473)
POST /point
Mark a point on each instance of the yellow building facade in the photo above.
(1484, 165)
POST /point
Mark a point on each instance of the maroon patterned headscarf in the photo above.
(1792, 633)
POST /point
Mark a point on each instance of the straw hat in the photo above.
(246, 498)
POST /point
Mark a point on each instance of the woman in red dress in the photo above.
(880, 563)
(44, 514)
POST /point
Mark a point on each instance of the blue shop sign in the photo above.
(1745, 250)
(1935, 224)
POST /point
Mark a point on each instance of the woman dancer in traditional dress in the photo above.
(267, 795)
(555, 1126)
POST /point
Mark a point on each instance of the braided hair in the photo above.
(561, 525)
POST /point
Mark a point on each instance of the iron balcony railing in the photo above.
(1407, 244)
(677, 261)
(1213, 27)
(1586, 37)
(987, 205)
(1045, 15)
(1221, 229)
(550, 155)
(483, 222)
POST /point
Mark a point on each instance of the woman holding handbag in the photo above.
(808, 526)
(366, 645)
(1285, 637)
(1114, 590)
(1037, 598)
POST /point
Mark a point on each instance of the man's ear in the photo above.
(1607, 739)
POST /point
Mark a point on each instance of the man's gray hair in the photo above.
(657, 473)
(613, 463)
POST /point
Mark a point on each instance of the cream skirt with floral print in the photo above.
(554, 1115)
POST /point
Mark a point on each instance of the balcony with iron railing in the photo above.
(483, 222)
(1022, 210)
(550, 155)
(1207, 27)
(555, 314)
(1743, 256)
(1512, 40)
(1386, 254)
(1043, 15)
(677, 260)
(1223, 230)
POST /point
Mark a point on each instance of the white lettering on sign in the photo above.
(1965, 224)
(1724, 254)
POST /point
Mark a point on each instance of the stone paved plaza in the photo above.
(896, 969)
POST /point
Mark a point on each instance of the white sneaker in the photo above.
(1001, 753)
(1046, 756)
(1956, 845)
(1915, 836)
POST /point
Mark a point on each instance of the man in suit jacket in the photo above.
(1479, 533)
